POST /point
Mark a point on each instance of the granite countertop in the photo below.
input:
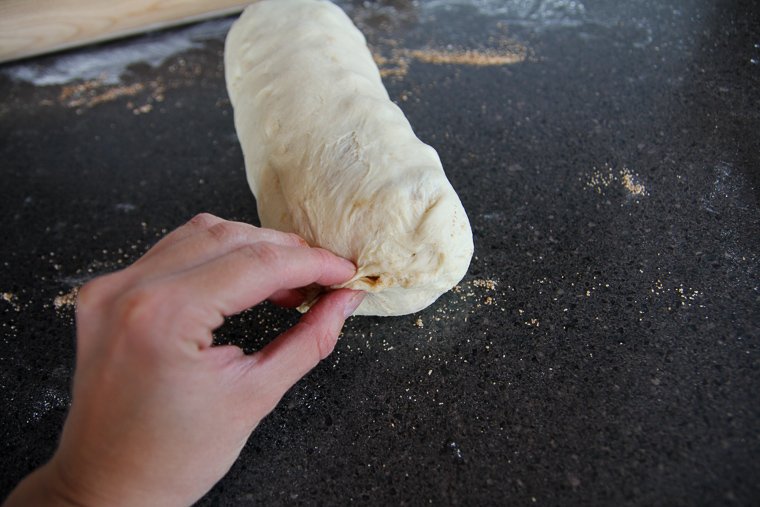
(602, 350)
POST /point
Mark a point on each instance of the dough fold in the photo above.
(330, 157)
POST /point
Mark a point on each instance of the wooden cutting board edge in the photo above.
(33, 28)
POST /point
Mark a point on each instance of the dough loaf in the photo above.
(330, 157)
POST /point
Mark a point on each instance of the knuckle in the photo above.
(323, 336)
(223, 231)
(264, 253)
(323, 258)
(203, 220)
(325, 342)
(137, 308)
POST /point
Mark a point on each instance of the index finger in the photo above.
(244, 277)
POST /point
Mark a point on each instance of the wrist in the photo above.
(43, 487)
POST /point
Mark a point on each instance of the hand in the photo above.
(158, 414)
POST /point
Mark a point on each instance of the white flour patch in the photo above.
(544, 12)
(108, 62)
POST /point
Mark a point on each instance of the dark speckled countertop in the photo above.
(602, 350)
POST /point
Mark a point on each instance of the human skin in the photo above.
(159, 415)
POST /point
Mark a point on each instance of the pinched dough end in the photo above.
(331, 158)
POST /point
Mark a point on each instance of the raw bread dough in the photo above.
(330, 157)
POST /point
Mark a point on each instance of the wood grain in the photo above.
(34, 27)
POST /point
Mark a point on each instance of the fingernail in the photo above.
(353, 303)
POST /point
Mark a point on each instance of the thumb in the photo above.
(282, 363)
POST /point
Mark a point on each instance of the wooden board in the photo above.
(34, 27)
